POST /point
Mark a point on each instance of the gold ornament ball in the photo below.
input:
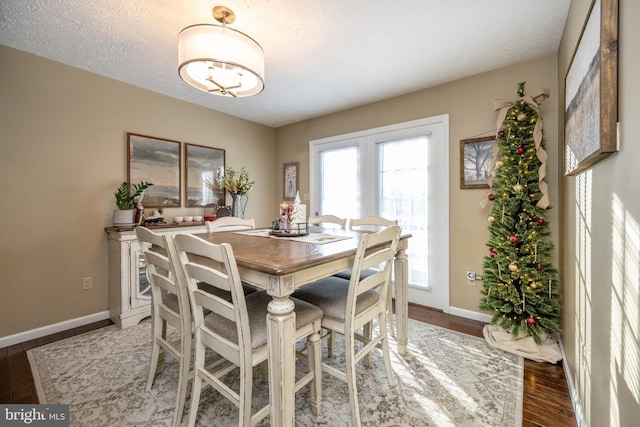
(521, 117)
(518, 188)
(513, 266)
(499, 163)
(491, 218)
(533, 285)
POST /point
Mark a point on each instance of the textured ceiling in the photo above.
(322, 56)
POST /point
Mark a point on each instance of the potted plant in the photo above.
(126, 199)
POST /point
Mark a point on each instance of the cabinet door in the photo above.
(140, 287)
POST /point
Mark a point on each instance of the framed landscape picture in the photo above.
(591, 91)
(157, 161)
(475, 158)
(202, 165)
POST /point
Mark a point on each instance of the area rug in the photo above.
(445, 379)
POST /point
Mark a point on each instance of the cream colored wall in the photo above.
(601, 254)
(469, 103)
(63, 153)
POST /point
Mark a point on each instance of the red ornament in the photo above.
(491, 197)
(514, 239)
(490, 249)
(501, 133)
(492, 254)
(538, 267)
(540, 221)
(520, 150)
(531, 321)
(499, 296)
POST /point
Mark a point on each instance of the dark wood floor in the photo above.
(546, 396)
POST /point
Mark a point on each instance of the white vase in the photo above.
(123, 216)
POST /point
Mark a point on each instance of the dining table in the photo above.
(280, 263)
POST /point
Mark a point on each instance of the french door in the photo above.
(397, 172)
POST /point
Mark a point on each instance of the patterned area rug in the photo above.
(446, 379)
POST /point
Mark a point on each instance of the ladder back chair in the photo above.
(373, 223)
(237, 329)
(351, 306)
(229, 223)
(328, 219)
(169, 305)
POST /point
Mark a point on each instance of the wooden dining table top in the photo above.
(282, 255)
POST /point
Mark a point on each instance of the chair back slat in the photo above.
(230, 223)
(371, 223)
(328, 219)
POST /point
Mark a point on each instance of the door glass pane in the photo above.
(340, 193)
(404, 195)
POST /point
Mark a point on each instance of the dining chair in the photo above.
(229, 223)
(328, 219)
(373, 223)
(169, 305)
(237, 329)
(352, 306)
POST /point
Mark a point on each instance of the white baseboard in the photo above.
(575, 400)
(468, 314)
(52, 329)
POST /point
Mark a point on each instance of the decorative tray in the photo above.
(292, 233)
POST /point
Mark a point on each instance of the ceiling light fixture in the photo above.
(220, 60)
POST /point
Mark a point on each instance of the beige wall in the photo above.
(62, 143)
(601, 252)
(469, 103)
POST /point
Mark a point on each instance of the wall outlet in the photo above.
(87, 283)
(471, 278)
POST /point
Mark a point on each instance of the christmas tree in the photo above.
(521, 286)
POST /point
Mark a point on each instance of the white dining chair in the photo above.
(331, 220)
(230, 223)
(373, 223)
(169, 306)
(354, 305)
(237, 329)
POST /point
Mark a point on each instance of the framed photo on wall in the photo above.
(157, 161)
(591, 91)
(291, 180)
(202, 166)
(475, 158)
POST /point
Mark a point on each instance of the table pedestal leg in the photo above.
(281, 329)
(401, 267)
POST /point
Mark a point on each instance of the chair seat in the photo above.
(247, 289)
(330, 295)
(346, 274)
(257, 310)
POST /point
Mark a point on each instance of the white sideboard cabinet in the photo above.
(129, 291)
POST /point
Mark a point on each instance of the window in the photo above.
(397, 172)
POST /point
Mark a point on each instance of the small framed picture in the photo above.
(475, 158)
(291, 181)
(157, 161)
(203, 164)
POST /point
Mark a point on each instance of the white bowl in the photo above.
(188, 218)
(197, 218)
(178, 219)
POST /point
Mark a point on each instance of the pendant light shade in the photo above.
(220, 60)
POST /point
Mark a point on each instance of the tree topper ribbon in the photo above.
(503, 106)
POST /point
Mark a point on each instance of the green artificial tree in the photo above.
(521, 287)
